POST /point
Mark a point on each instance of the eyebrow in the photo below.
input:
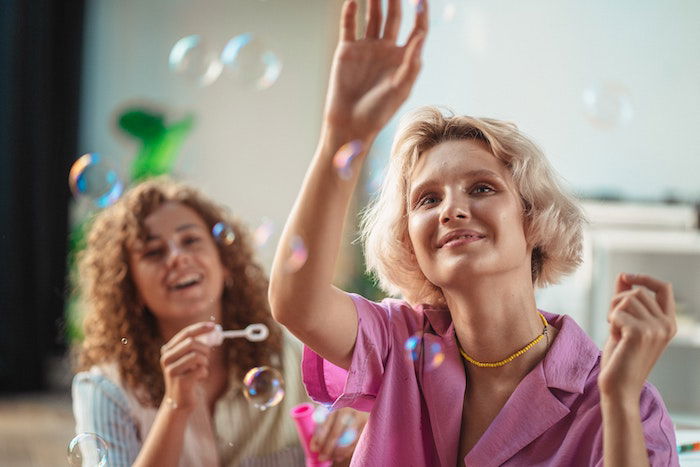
(471, 174)
(180, 228)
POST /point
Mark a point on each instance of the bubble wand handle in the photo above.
(302, 416)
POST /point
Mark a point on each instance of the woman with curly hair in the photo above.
(153, 279)
(462, 368)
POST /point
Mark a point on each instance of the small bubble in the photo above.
(263, 232)
(448, 13)
(212, 318)
(298, 256)
(413, 346)
(420, 5)
(170, 403)
(347, 438)
(87, 449)
(320, 414)
(223, 233)
(342, 160)
(247, 59)
(125, 340)
(608, 105)
(435, 355)
(263, 387)
(93, 177)
(191, 59)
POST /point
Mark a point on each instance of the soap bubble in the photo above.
(434, 354)
(263, 387)
(320, 414)
(92, 177)
(608, 105)
(248, 61)
(223, 233)
(344, 157)
(263, 232)
(413, 346)
(87, 449)
(347, 438)
(191, 59)
(125, 340)
(449, 12)
(298, 256)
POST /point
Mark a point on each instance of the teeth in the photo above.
(187, 280)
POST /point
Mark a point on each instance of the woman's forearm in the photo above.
(623, 434)
(163, 445)
(317, 218)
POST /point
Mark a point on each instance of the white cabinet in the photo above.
(663, 241)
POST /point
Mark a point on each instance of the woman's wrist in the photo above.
(623, 404)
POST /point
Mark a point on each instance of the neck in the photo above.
(493, 319)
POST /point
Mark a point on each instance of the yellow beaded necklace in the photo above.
(512, 357)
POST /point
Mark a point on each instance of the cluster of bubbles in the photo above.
(433, 352)
(87, 449)
(245, 58)
(263, 387)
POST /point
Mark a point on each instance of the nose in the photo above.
(175, 253)
(453, 209)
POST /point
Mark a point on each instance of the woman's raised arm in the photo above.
(370, 78)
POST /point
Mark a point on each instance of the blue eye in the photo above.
(427, 200)
(481, 188)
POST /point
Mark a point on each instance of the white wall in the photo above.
(529, 61)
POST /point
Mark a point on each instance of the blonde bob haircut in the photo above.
(552, 217)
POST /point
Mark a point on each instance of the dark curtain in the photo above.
(40, 64)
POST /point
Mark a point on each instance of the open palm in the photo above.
(373, 76)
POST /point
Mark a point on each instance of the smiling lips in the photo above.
(459, 237)
(185, 281)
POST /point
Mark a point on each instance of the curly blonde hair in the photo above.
(553, 219)
(114, 311)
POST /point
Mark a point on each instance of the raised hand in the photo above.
(185, 361)
(642, 322)
(372, 76)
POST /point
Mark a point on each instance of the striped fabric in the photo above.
(244, 436)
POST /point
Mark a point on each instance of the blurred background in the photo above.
(228, 95)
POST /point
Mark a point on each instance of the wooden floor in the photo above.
(35, 429)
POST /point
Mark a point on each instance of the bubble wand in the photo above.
(253, 332)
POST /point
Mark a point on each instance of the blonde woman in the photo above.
(469, 220)
(153, 278)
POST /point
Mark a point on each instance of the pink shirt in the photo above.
(552, 418)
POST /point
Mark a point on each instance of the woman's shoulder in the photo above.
(394, 309)
(100, 381)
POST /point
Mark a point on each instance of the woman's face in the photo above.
(177, 270)
(465, 216)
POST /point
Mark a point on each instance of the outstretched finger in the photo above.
(374, 19)
(663, 290)
(421, 25)
(348, 23)
(393, 20)
(410, 66)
